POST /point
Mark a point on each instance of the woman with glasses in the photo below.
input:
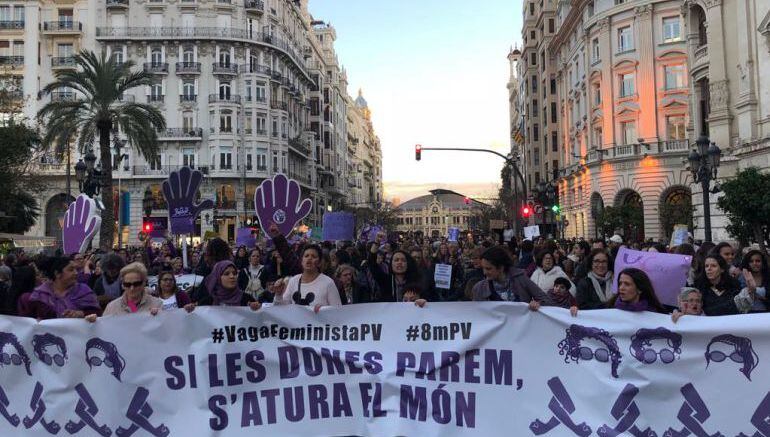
(169, 293)
(136, 297)
(595, 290)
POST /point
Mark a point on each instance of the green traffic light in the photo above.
(555, 208)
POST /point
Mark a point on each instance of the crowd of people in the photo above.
(575, 275)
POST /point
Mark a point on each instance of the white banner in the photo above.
(485, 369)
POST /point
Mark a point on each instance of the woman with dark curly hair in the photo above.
(61, 296)
(755, 281)
(595, 290)
(718, 287)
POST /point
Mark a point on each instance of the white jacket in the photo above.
(545, 280)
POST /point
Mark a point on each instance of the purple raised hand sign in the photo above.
(667, 272)
(80, 225)
(179, 190)
(277, 200)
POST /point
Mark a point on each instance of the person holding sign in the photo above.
(505, 283)
(222, 284)
(311, 287)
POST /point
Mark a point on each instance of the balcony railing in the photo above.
(63, 62)
(11, 24)
(188, 97)
(624, 150)
(63, 26)
(156, 67)
(12, 60)
(220, 68)
(279, 105)
(260, 132)
(224, 98)
(188, 67)
(117, 3)
(676, 146)
(254, 5)
(179, 132)
(62, 96)
(701, 52)
(260, 99)
(157, 170)
(155, 98)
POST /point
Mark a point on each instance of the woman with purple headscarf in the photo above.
(61, 296)
(222, 284)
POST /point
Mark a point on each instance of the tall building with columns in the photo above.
(364, 156)
(623, 110)
(249, 88)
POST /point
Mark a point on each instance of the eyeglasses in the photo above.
(600, 261)
(96, 361)
(7, 359)
(586, 353)
(649, 356)
(58, 359)
(720, 356)
(133, 284)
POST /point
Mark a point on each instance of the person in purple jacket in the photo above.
(61, 296)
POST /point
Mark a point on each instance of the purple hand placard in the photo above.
(667, 272)
(179, 190)
(277, 200)
(80, 225)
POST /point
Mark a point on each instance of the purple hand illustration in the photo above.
(180, 190)
(277, 201)
(80, 225)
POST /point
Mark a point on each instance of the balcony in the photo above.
(179, 133)
(189, 98)
(674, 146)
(156, 98)
(64, 27)
(260, 99)
(117, 4)
(257, 6)
(63, 62)
(227, 68)
(224, 98)
(224, 130)
(279, 105)
(62, 96)
(11, 25)
(156, 67)
(188, 68)
(260, 132)
(14, 61)
(155, 170)
(259, 69)
(700, 58)
(624, 150)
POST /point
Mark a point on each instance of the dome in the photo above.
(360, 100)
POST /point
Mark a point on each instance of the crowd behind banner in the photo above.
(577, 275)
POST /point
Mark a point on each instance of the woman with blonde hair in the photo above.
(136, 298)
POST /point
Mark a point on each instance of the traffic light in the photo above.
(147, 227)
(555, 209)
(467, 200)
(417, 152)
(526, 211)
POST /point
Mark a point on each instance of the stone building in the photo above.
(364, 183)
(433, 214)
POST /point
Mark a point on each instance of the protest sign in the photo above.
(246, 237)
(679, 235)
(180, 191)
(158, 226)
(278, 200)
(496, 224)
(369, 232)
(338, 226)
(667, 272)
(184, 282)
(449, 369)
(530, 232)
(442, 276)
(453, 234)
(81, 223)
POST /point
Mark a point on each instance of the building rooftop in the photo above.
(448, 198)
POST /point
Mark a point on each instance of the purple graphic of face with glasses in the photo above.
(100, 352)
(12, 352)
(742, 352)
(641, 345)
(43, 345)
(572, 350)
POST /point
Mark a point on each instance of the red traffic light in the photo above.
(418, 152)
(147, 227)
(526, 211)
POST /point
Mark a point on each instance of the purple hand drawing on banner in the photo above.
(80, 225)
(38, 408)
(13, 419)
(139, 412)
(561, 406)
(625, 411)
(180, 190)
(692, 414)
(86, 409)
(742, 352)
(277, 200)
(641, 345)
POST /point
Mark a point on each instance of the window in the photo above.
(156, 57)
(117, 54)
(18, 13)
(627, 84)
(554, 142)
(533, 59)
(553, 87)
(188, 122)
(224, 58)
(671, 29)
(156, 91)
(248, 90)
(595, 50)
(261, 124)
(261, 159)
(536, 132)
(625, 40)
(5, 13)
(534, 84)
(224, 90)
(550, 26)
(65, 18)
(188, 90)
(619, 2)
(65, 50)
(597, 136)
(537, 156)
(225, 122)
(248, 162)
(534, 107)
(674, 76)
(275, 162)
(226, 158)
(597, 91)
(531, 8)
(260, 92)
(188, 57)
(628, 130)
(188, 157)
(553, 113)
(676, 127)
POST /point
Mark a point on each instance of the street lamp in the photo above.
(88, 176)
(703, 164)
(147, 202)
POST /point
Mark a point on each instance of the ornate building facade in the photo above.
(433, 214)
(364, 163)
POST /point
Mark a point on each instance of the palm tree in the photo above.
(99, 83)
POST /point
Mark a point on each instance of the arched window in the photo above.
(156, 57)
(188, 56)
(224, 90)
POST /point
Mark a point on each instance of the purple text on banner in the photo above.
(667, 272)
(245, 237)
(338, 226)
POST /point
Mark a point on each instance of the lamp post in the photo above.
(545, 193)
(704, 162)
(88, 175)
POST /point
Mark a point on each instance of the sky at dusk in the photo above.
(434, 73)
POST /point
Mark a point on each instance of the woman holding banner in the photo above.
(135, 297)
(595, 290)
(635, 293)
(402, 271)
(505, 283)
(311, 287)
(222, 284)
(61, 296)
(170, 293)
(547, 271)
(718, 287)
